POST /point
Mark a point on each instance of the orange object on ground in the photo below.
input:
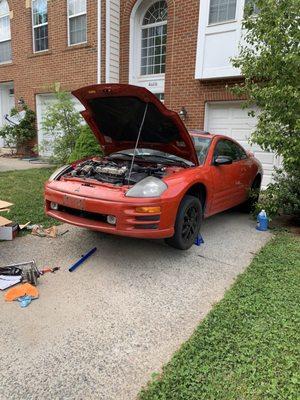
(21, 290)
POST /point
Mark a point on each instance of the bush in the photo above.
(86, 145)
(282, 196)
(62, 124)
(16, 136)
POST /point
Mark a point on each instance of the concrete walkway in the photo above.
(99, 332)
(12, 164)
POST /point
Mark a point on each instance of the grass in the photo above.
(25, 190)
(246, 348)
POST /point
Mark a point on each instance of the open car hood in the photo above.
(115, 113)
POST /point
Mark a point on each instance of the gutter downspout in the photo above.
(99, 42)
(107, 51)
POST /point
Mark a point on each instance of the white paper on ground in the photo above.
(7, 281)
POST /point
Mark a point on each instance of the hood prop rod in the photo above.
(137, 143)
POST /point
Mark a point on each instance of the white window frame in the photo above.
(224, 21)
(148, 26)
(38, 26)
(8, 36)
(73, 16)
(156, 82)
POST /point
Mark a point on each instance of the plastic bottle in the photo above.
(262, 221)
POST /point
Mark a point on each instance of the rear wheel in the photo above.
(187, 225)
(250, 204)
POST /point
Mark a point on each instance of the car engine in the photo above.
(116, 173)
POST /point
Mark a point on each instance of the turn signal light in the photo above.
(148, 210)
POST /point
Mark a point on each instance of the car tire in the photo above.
(250, 204)
(188, 223)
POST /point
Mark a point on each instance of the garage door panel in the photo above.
(228, 118)
(266, 158)
(241, 134)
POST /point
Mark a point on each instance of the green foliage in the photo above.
(86, 145)
(25, 189)
(246, 348)
(270, 63)
(16, 136)
(282, 196)
(62, 124)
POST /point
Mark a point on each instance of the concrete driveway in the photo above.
(99, 332)
(12, 164)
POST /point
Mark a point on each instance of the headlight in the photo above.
(148, 187)
(59, 172)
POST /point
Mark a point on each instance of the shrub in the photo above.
(86, 145)
(62, 124)
(282, 196)
(17, 135)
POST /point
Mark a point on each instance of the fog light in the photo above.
(148, 210)
(111, 219)
(53, 206)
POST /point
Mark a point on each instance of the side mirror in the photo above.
(222, 160)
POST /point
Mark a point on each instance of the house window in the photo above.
(221, 11)
(77, 21)
(154, 39)
(5, 36)
(40, 25)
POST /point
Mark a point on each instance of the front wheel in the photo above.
(187, 225)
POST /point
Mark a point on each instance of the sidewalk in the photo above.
(11, 164)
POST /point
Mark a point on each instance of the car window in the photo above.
(229, 149)
(201, 145)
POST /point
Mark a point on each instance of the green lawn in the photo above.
(246, 348)
(25, 190)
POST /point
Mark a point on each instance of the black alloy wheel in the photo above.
(187, 225)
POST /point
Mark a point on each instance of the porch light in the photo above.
(183, 114)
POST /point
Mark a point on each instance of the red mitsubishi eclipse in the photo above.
(155, 180)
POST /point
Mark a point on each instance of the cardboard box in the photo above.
(9, 232)
(8, 229)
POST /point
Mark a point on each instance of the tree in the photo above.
(269, 60)
(62, 124)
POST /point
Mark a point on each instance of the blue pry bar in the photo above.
(82, 259)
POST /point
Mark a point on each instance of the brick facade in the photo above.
(181, 87)
(33, 73)
(76, 66)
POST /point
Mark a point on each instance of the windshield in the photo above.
(149, 154)
(201, 145)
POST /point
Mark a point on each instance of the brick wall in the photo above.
(181, 87)
(34, 73)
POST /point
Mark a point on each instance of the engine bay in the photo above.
(116, 172)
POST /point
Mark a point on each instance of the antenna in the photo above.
(137, 142)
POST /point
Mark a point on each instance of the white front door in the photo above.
(7, 102)
(228, 118)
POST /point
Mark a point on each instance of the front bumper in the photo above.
(91, 213)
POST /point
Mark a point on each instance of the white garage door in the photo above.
(42, 103)
(228, 118)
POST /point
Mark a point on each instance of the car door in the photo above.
(227, 179)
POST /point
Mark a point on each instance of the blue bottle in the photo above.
(262, 221)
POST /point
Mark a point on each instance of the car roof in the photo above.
(201, 133)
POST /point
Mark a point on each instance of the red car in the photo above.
(155, 179)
